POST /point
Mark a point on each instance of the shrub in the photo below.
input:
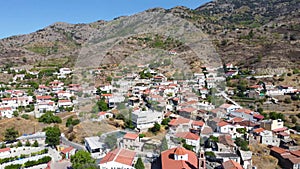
(13, 166)
(25, 116)
(155, 128)
(48, 118)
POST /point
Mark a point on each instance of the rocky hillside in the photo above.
(255, 34)
(261, 35)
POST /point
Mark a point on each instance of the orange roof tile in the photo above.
(43, 97)
(101, 113)
(125, 157)
(187, 135)
(119, 155)
(67, 150)
(278, 150)
(247, 111)
(5, 108)
(131, 136)
(237, 119)
(168, 161)
(188, 109)
(222, 123)
(258, 130)
(230, 164)
(198, 123)
(225, 106)
(295, 160)
(180, 151)
(63, 101)
(107, 94)
(4, 149)
(296, 153)
(179, 120)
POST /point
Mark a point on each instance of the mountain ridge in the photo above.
(266, 39)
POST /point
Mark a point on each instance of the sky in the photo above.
(26, 16)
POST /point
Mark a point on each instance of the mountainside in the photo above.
(261, 35)
(255, 34)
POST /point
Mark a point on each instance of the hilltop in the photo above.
(258, 35)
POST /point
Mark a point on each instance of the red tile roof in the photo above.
(67, 150)
(168, 114)
(225, 106)
(258, 130)
(5, 108)
(295, 160)
(101, 113)
(131, 136)
(259, 116)
(168, 161)
(222, 123)
(237, 119)
(187, 135)
(198, 123)
(107, 94)
(230, 164)
(187, 109)
(247, 111)
(119, 155)
(179, 120)
(278, 150)
(4, 149)
(64, 101)
(43, 97)
(280, 129)
(296, 153)
(180, 151)
(283, 134)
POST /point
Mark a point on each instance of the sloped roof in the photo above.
(168, 161)
(278, 150)
(187, 135)
(119, 155)
(179, 120)
(131, 136)
(230, 164)
(66, 150)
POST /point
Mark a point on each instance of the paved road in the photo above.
(64, 140)
(229, 99)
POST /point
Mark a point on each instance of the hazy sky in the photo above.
(25, 16)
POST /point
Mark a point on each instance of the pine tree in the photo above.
(139, 164)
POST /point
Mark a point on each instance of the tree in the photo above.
(27, 144)
(139, 164)
(242, 143)
(110, 141)
(71, 122)
(11, 134)
(102, 105)
(35, 144)
(52, 136)
(83, 159)
(294, 119)
(19, 144)
(287, 100)
(164, 144)
(165, 121)
(15, 113)
(155, 128)
(3, 145)
(48, 118)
